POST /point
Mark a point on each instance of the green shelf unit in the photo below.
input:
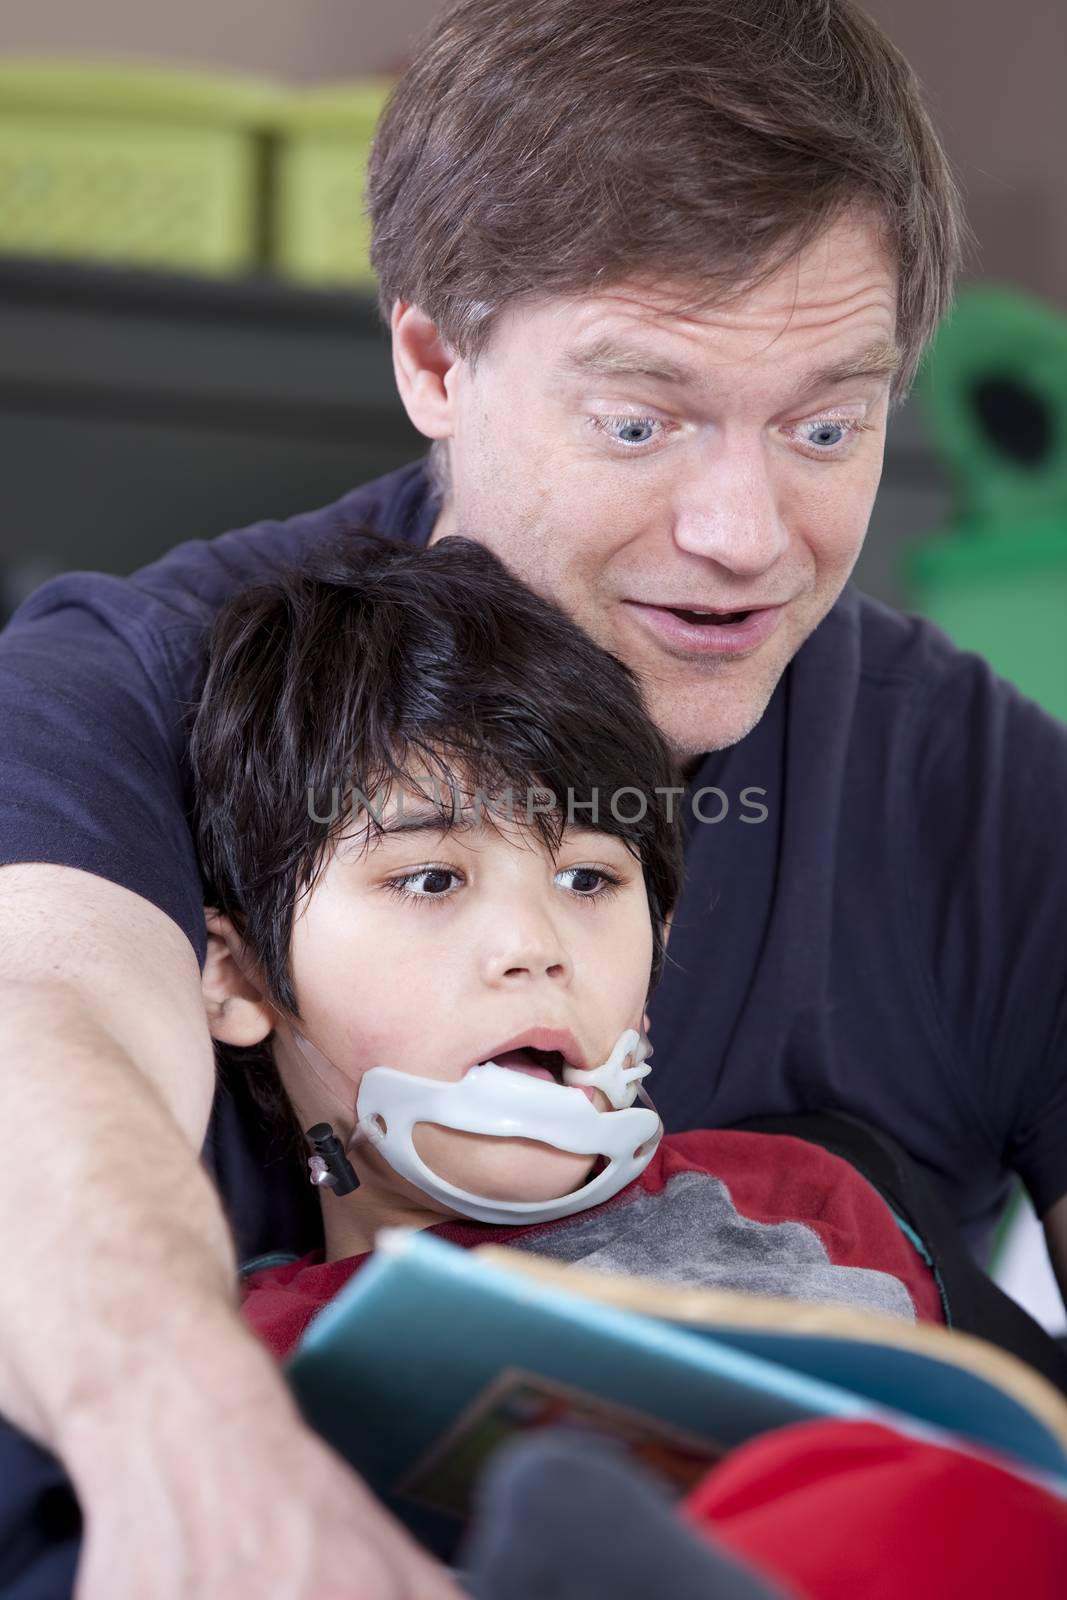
(320, 230)
(994, 389)
(136, 164)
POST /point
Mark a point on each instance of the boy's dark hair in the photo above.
(376, 662)
(541, 147)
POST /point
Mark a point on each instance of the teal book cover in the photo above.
(433, 1356)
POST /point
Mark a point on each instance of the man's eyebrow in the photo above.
(880, 360)
(608, 358)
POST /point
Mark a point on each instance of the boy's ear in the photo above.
(238, 1011)
(666, 935)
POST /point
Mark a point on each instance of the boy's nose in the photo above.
(526, 954)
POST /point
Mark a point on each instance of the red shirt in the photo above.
(848, 1246)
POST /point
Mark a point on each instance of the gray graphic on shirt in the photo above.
(690, 1234)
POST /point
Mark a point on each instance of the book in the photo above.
(433, 1356)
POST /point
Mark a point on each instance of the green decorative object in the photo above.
(321, 231)
(145, 165)
(994, 387)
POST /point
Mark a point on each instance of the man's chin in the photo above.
(705, 704)
(695, 730)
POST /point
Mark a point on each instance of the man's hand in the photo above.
(192, 1500)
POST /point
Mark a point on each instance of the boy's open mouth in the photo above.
(547, 1064)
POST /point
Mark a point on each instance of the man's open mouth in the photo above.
(717, 618)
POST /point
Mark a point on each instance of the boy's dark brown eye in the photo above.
(436, 882)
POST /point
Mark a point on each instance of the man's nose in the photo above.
(525, 949)
(728, 512)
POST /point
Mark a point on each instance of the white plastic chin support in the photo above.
(498, 1100)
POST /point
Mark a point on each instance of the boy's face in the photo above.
(430, 951)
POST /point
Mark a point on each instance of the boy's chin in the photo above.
(523, 1170)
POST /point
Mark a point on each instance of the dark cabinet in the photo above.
(138, 410)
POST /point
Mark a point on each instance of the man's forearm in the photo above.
(121, 1349)
(117, 1258)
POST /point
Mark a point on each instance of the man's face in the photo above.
(431, 951)
(644, 469)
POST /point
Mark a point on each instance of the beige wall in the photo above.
(996, 77)
(995, 73)
(298, 39)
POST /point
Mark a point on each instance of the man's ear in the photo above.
(238, 1011)
(425, 368)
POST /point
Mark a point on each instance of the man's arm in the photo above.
(120, 1345)
(1055, 1224)
(91, 1122)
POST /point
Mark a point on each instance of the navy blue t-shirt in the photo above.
(876, 923)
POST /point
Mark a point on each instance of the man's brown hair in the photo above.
(540, 147)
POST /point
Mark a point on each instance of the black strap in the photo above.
(971, 1300)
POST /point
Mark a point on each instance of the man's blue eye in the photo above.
(626, 430)
(832, 436)
(827, 427)
(638, 431)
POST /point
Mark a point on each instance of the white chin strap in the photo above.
(495, 1100)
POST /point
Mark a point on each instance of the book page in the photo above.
(709, 1309)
